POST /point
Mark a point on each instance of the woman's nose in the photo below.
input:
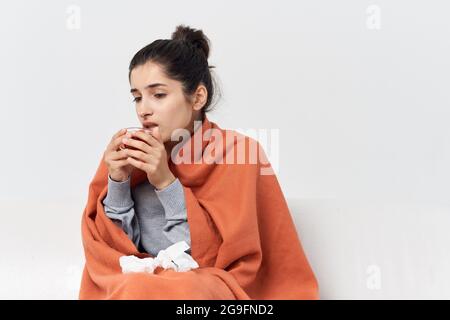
(143, 115)
(145, 109)
(144, 112)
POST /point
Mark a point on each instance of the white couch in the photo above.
(358, 251)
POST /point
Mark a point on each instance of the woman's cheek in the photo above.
(162, 132)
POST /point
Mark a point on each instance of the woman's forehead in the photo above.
(150, 75)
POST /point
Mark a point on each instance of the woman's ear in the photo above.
(200, 97)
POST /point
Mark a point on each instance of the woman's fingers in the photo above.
(150, 158)
(116, 140)
(147, 137)
(120, 163)
(119, 155)
(118, 134)
(138, 144)
(136, 154)
(143, 141)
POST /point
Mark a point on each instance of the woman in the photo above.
(142, 199)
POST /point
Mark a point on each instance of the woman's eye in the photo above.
(157, 95)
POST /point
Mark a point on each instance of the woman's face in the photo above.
(160, 100)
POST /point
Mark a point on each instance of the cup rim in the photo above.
(134, 129)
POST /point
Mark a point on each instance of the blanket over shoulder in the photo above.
(242, 234)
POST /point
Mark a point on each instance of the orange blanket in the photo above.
(242, 233)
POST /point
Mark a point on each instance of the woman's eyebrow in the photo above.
(152, 85)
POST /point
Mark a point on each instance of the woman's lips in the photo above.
(149, 124)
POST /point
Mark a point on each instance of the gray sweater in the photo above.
(153, 219)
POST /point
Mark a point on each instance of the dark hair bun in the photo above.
(193, 36)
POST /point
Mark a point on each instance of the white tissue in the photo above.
(172, 257)
(135, 264)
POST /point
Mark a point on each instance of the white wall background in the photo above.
(359, 91)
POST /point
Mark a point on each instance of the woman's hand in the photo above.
(151, 157)
(118, 168)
